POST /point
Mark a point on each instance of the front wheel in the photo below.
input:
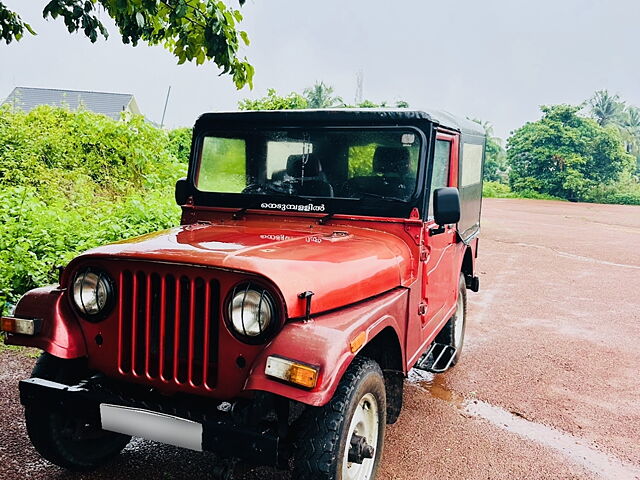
(68, 440)
(343, 440)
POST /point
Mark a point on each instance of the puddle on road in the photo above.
(434, 384)
(575, 449)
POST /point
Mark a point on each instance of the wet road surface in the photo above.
(548, 387)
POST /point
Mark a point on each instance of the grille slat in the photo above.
(168, 328)
(163, 326)
(207, 327)
(134, 319)
(121, 300)
(176, 331)
(147, 337)
(192, 326)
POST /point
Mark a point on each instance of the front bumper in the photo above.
(188, 422)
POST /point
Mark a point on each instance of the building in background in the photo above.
(109, 104)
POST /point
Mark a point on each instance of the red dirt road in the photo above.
(548, 387)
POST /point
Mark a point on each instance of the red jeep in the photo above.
(321, 255)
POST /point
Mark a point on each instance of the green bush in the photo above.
(625, 192)
(500, 190)
(496, 189)
(180, 143)
(70, 181)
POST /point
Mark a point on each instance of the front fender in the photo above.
(325, 341)
(60, 334)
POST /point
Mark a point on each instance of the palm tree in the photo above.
(486, 125)
(632, 120)
(631, 132)
(496, 168)
(321, 96)
(606, 108)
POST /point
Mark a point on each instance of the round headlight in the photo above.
(251, 311)
(93, 293)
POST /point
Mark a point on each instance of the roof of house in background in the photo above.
(109, 104)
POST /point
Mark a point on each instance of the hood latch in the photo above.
(307, 295)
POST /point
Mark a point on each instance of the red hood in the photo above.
(340, 264)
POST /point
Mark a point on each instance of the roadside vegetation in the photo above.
(70, 181)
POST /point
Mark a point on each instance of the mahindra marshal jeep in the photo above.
(320, 256)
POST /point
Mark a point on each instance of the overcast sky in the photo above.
(497, 60)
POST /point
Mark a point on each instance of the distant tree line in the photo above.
(319, 95)
(588, 152)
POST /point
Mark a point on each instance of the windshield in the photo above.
(347, 163)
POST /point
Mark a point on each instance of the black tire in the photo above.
(447, 334)
(322, 440)
(54, 434)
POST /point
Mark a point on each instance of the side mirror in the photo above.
(182, 191)
(446, 205)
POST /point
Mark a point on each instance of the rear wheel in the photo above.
(67, 440)
(453, 332)
(343, 440)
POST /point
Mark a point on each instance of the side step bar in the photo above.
(437, 359)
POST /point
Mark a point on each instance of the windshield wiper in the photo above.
(238, 214)
(262, 189)
(381, 197)
(326, 218)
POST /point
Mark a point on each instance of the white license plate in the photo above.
(152, 426)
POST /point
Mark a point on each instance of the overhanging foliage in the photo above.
(192, 30)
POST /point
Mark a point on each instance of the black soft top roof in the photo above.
(341, 115)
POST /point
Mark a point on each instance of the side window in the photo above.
(440, 176)
(471, 164)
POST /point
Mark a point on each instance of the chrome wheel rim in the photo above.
(365, 423)
(458, 326)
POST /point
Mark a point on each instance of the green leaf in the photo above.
(245, 37)
(29, 29)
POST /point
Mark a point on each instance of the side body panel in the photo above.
(441, 268)
(442, 255)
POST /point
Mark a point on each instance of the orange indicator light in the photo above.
(358, 341)
(23, 326)
(293, 372)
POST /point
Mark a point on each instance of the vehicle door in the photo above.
(439, 280)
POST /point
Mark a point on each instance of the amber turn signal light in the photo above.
(22, 326)
(358, 341)
(293, 372)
